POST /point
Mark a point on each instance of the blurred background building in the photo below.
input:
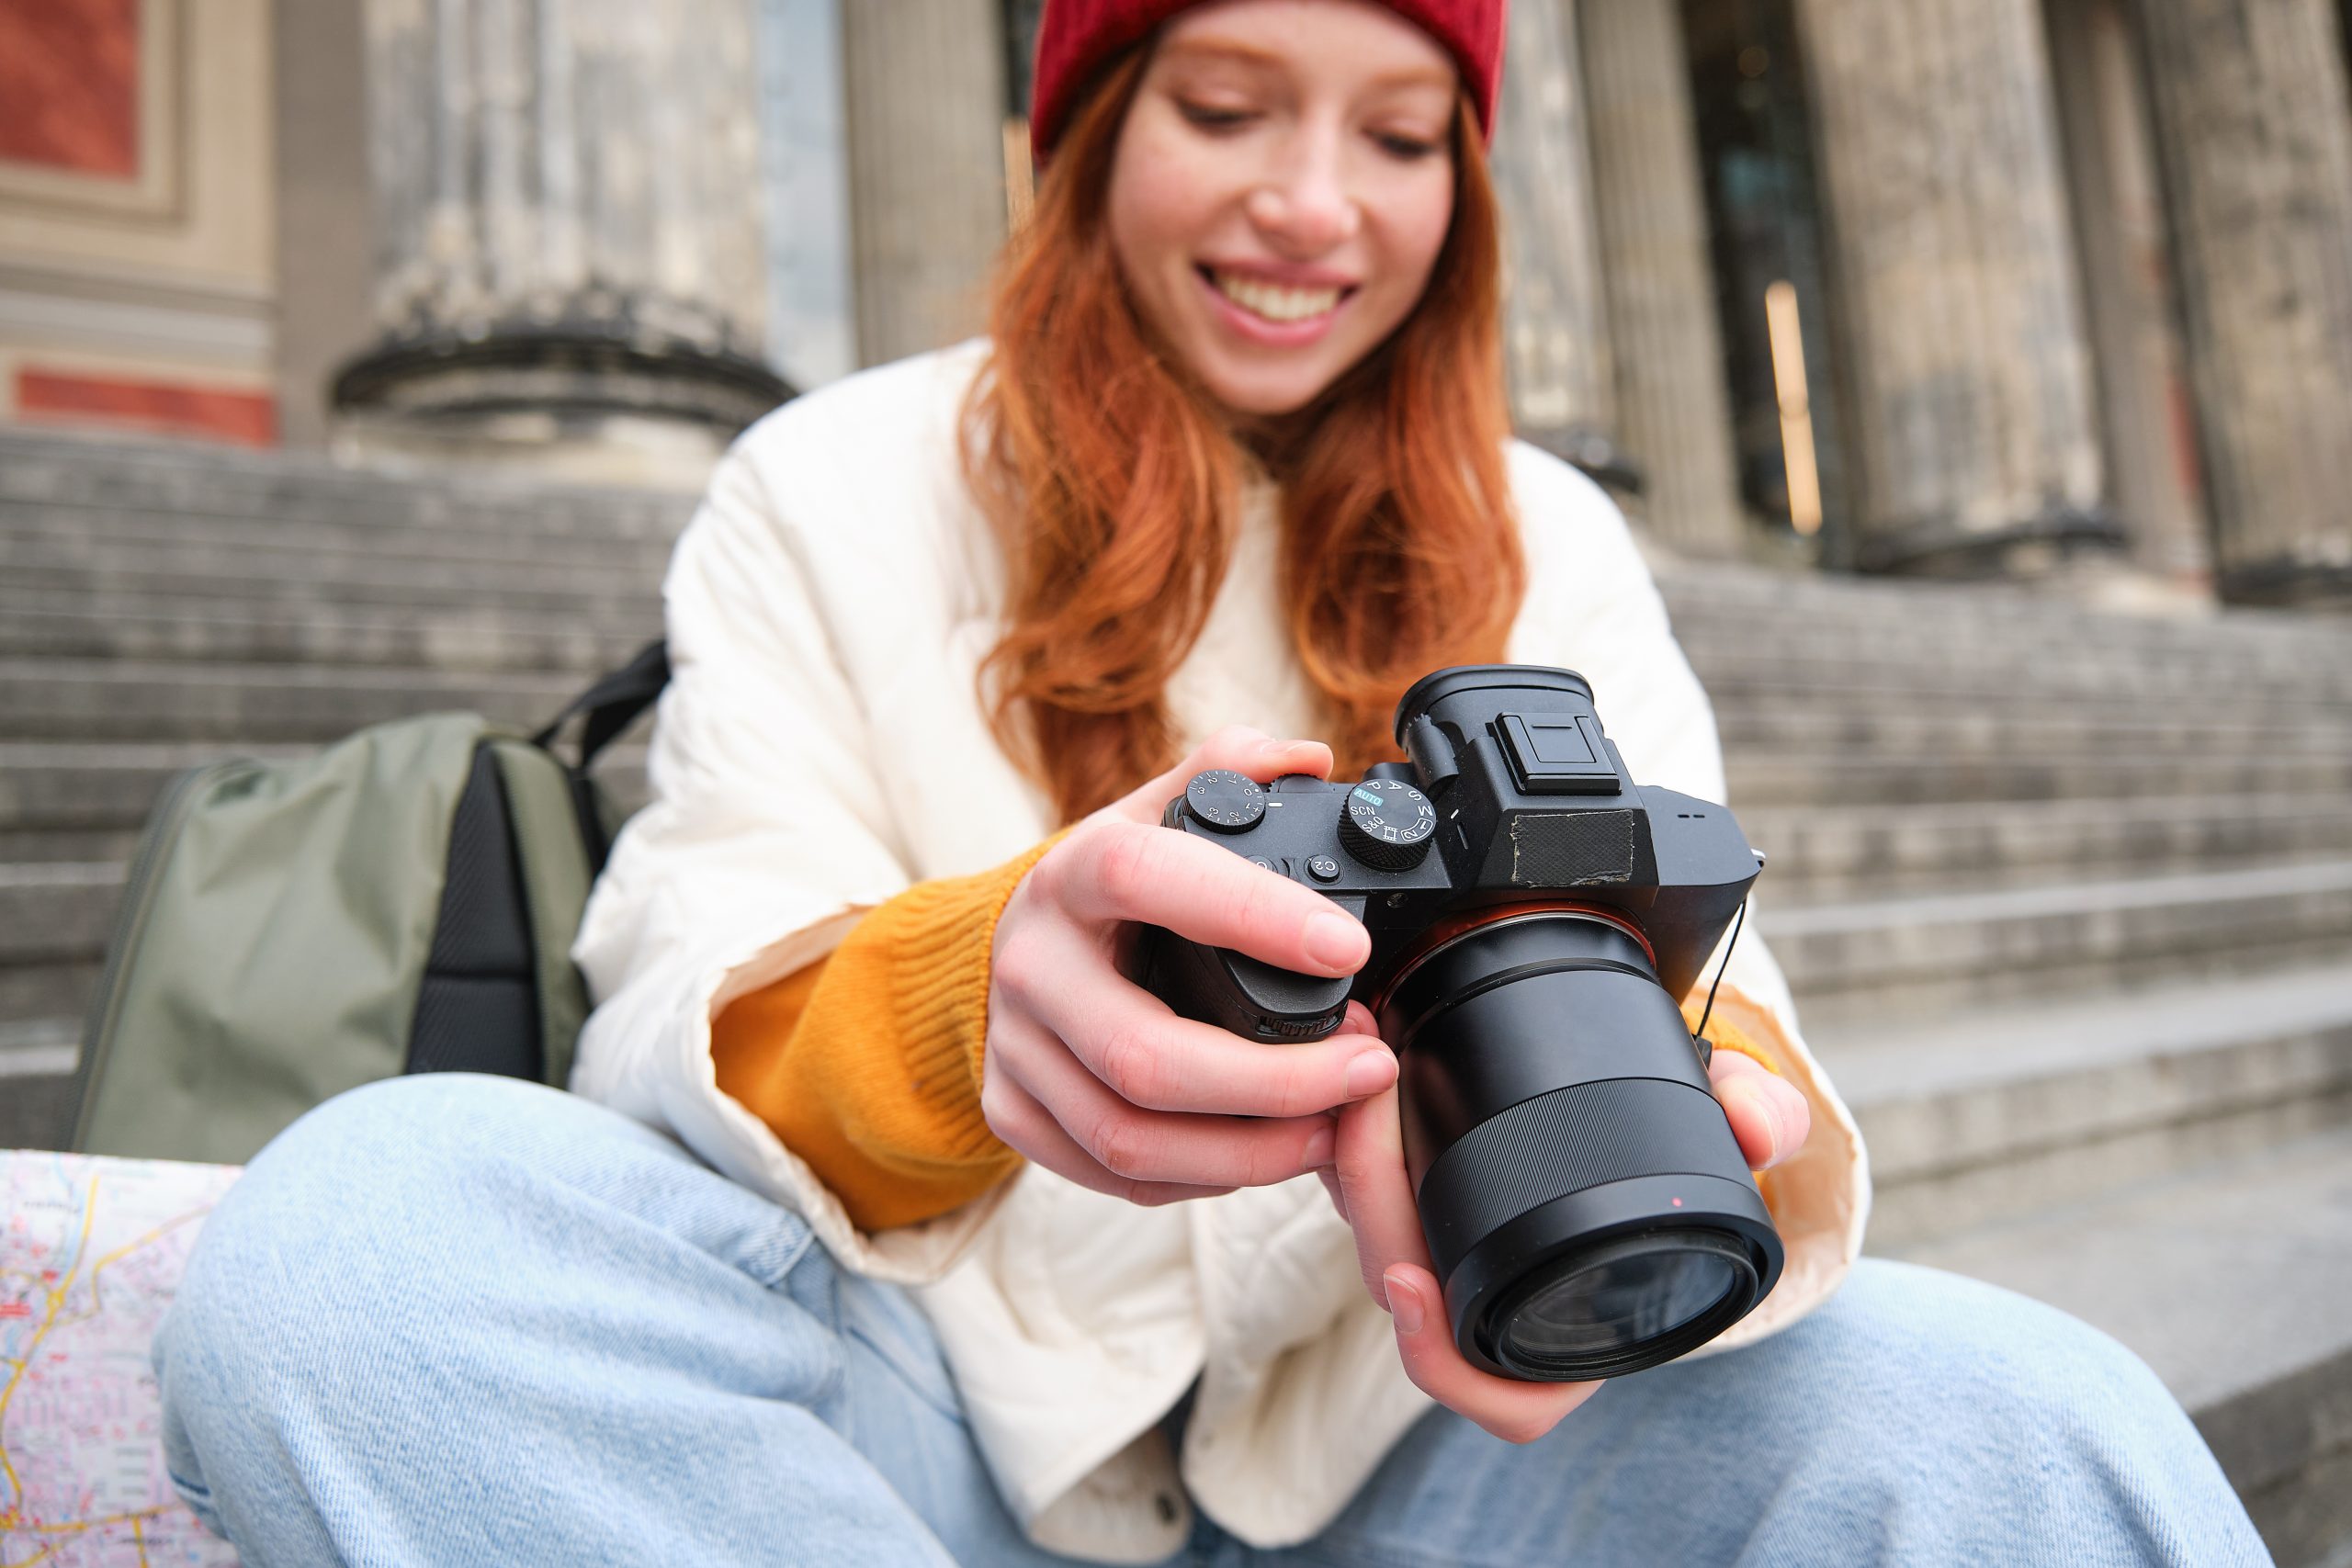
(1920, 285)
(360, 357)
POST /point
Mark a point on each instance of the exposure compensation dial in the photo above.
(1387, 824)
(1224, 801)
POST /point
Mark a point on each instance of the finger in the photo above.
(1207, 893)
(1358, 1020)
(1515, 1411)
(1376, 1197)
(1022, 1121)
(1157, 1145)
(1237, 747)
(1330, 1179)
(1769, 1116)
(1151, 1057)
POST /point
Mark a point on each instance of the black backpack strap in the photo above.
(612, 705)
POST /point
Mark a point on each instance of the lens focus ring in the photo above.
(1564, 1142)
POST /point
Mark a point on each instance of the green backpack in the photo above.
(403, 901)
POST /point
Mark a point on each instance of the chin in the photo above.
(1267, 396)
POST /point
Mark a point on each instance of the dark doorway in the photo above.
(1763, 214)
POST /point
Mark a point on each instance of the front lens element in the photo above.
(1626, 1301)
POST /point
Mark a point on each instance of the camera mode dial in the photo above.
(1224, 801)
(1387, 824)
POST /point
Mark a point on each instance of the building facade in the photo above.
(1951, 286)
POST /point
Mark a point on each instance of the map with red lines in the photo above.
(90, 1253)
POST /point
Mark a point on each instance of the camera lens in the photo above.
(1587, 1207)
(1584, 1316)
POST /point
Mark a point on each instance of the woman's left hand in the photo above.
(1368, 1186)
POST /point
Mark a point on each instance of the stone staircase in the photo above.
(2067, 898)
(161, 606)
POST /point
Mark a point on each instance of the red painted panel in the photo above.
(214, 414)
(69, 85)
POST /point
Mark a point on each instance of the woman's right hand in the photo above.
(1096, 1080)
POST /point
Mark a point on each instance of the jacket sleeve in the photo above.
(867, 1064)
(766, 839)
(1611, 627)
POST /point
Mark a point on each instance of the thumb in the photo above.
(1251, 752)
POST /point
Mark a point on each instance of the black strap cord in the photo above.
(1699, 1035)
(612, 705)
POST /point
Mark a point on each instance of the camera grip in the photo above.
(1236, 992)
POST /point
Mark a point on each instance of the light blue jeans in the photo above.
(461, 1320)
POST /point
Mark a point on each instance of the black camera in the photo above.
(1534, 913)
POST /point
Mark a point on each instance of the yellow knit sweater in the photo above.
(868, 1063)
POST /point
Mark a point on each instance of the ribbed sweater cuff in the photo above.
(943, 943)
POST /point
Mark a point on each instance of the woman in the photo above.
(985, 1252)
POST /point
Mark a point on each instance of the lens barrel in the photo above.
(1587, 1206)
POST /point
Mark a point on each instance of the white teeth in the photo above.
(1273, 302)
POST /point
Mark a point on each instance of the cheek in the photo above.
(1413, 226)
(1156, 211)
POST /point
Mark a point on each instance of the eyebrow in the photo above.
(1249, 54)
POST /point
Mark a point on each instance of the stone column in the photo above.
(926, 105)
(1968, 363)
(1555, 324)
(1673, 405)
(570, 244)
(2251, 109)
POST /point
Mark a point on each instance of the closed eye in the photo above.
(1212, 119)
(1405, 149)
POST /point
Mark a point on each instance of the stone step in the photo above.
(108, 788)
(1992, 1112)
(2181, 675)
(111, 471)
(132, 627)
(1777, 609)
(37, 846)
(192, 567)
(1819, 778)
(56, 911)
(1858, 687)
(1736, 600)
(1846, 851)
(36, 1080)
(98, 786)
(2230, 1279)
(1982, 735)
(1910, 954)
(102, 700)
(1856, 625)
(98, 534)
(29, 995)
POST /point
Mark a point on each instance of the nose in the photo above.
(1303, 207)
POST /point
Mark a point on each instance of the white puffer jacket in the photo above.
(821, 749)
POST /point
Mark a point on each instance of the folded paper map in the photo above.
(91, 1251)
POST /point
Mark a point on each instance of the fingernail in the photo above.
(1319, 1147)
(1336, 942)
(1371, 1072)
(1404, 1303)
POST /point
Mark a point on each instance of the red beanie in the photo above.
(1077, 36)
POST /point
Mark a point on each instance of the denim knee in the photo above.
(405, 1242)
(1935, 1397)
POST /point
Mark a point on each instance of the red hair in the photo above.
(1110, 478)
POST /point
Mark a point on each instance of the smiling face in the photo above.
(1282, 187)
